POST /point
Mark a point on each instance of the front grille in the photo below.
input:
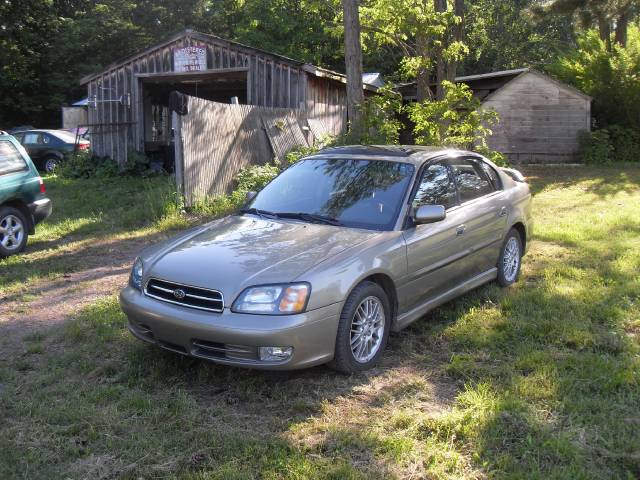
(215, 350)
(185, 295)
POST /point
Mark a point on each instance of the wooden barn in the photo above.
(541, 119)
(129, 100)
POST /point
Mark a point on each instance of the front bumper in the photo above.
(233, 338)
(40, 210)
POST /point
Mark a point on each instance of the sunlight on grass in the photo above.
(541, 380)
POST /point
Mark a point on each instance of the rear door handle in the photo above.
(460, 230)
(503, 212)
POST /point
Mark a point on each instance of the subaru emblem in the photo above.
(179, 293)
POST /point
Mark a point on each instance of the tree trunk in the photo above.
(458, 36)
(622, 26)
(353, 63)
(423, 78)
(604, 27)
(440, 6)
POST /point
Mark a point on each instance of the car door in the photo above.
(484, 212)
(433, 249)
(32, 143)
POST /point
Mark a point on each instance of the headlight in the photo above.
(136, 274)
(273, 299)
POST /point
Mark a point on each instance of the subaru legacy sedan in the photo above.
(340, 249)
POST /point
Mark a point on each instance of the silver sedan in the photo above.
(337, 251)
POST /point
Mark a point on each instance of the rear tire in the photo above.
(50, 164)
(510, 259)
(14, 231)
(363, 330)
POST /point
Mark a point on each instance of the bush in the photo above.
(613, 144)
(610, 77)
(85, 165)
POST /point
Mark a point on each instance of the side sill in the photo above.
(412, 315)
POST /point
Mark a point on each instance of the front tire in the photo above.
(13, 231)
(363, 330)
(510, 259)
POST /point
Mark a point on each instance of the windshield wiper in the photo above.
(311, 217)
(260, 213)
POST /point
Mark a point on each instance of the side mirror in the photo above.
(251, 196)
(429, 214)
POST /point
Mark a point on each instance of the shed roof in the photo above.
(307, 67)
(486, 84)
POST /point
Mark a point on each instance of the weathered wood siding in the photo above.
(217, 140)
(541, 121)
(272, 81)
(327, 103)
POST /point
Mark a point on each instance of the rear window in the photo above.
(65, 137)
(10, 158)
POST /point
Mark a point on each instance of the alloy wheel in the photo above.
(50, 165)
(367, 329)
(511, 259)
(11, 232)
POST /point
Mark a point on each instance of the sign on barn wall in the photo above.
(190, 59)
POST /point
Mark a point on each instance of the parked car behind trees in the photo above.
(338, 250)
(23, 202)
(47, 148)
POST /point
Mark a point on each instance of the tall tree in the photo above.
(428, 32)
(353, 63)
(609, 16)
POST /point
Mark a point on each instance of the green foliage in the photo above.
(381, 123)
(255, 177)
(455, 121)
(612, 78)
(613, 144)
(503, 35)
(85, 165)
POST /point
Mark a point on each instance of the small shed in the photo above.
(542, 120)
(75, 114)
(129, 100)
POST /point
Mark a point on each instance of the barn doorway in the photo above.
(223, 86)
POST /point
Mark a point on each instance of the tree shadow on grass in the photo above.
(603, 181)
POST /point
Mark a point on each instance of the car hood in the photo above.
(240, 251)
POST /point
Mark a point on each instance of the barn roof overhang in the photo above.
(307, 67)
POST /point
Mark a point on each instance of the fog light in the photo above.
(275, 354)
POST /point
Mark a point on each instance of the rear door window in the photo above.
(436, 187)
(31, 139)
(471, 180)
(11, 159)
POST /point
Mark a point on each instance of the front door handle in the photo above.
(503, 212)
(460, 230)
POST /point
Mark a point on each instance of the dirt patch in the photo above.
(51, 302)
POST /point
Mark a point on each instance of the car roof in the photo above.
(415, 154)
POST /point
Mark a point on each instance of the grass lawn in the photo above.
(541, 380)
(89, 217)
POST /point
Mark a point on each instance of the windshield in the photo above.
(354, 193)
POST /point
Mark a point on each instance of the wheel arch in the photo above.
(522, 231)
(387, 284)
(22, 207)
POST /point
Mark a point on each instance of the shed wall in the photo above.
(272, 82)
(540, 120)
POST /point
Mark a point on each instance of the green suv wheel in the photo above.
(13, 231)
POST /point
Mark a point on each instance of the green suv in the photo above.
(23, 202)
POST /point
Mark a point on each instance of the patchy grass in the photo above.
(537, 381)
(94, 218)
